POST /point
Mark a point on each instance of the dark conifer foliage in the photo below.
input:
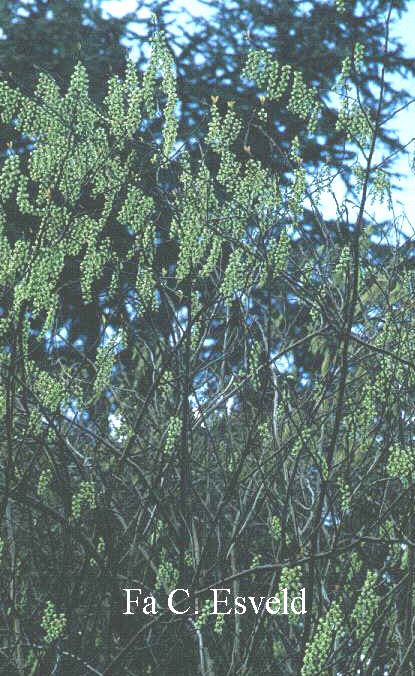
(52, 37)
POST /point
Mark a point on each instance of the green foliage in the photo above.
(85, 495)
(224, 464)
(318, 650)
(167, 574)
(52, 623)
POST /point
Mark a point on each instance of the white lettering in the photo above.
(170, 602)
(240, 604)
(254, 605)
(302, 599)
(216, 601)
(130, 601)
(272, 600)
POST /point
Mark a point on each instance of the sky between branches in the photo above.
(403, 124)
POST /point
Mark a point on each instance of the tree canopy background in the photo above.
(121, 465)
(40, 36)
